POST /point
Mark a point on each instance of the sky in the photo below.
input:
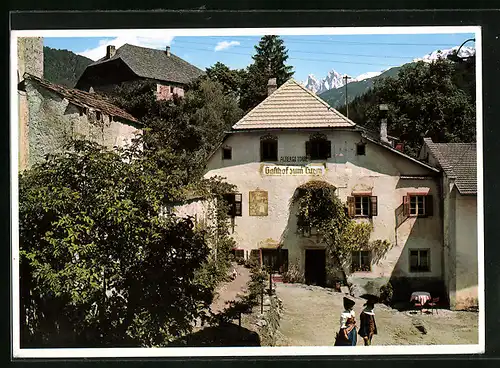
(318, 54)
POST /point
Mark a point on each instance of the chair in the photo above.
(417, 305)
(433, 305)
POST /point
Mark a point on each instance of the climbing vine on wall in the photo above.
(321, 209)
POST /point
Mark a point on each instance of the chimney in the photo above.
(271, 86)
(383, 108)
(110, 51)
(167, 50)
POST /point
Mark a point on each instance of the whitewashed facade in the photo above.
(294, 137)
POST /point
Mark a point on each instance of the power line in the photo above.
(317, 53)
(301, 40)
(291, 58)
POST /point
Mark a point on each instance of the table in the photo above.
(420, 296)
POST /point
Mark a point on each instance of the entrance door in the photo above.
(315, 273)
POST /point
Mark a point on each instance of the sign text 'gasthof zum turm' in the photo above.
(293, 170)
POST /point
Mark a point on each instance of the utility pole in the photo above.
(346, 77)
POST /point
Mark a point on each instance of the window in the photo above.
(308, 231)
(238, 254)
(362, 206)
(98, 115)
(269, 149)
(275, 259)
(318, 148)
(360, 149)
(227, 153)
(234, 202)
(418, 205)
(361, 261)
(420, 260)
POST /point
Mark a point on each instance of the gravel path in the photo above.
(311, 318)
(230, 290)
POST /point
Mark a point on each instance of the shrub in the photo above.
(386, 292)
(293, 274)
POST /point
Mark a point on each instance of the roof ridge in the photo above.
(330, 112)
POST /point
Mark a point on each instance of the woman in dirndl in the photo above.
(368, 326)
(347, 335)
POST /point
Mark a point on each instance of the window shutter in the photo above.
(308, 148)
(262, 150)
(373, 207)
(328, 149)
(429, 205)
(237, 205)
(351, 207)
(406, 205)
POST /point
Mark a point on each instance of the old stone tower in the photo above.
(30, 56)
(29, 60)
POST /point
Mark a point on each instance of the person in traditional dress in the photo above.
(368, 326)
(347, 335)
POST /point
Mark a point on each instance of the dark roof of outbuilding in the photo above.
(458, 161)
(154, 64)
(84, 99)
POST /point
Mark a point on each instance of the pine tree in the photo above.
(269, 62)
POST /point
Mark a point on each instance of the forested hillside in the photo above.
(435, 100)
(62, 66)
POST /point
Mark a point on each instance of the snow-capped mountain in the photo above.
(332, 80)
(335, 80)
(442, 54)
(366, 76)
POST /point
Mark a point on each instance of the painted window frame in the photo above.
(318, 148)
(427, 205)
(352, 205)
(360, 257)
(418, 267)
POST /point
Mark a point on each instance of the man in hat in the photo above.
(347, 335)
(368, 326)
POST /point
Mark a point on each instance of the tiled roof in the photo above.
(293, 106)
(155, 64)
(84, 99)
(458, 161)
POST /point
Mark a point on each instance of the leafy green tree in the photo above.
(435, 100)
(269, 62)
(188, 127)
(230, 79)
(321, 209)
(99, 264)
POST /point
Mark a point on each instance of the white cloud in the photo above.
(154, 41)
(225, 45)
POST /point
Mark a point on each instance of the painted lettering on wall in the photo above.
(294, 170)
(294, 159)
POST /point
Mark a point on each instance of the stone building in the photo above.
(458, 163)
(133, 63)
(293, 137)
(50, 114)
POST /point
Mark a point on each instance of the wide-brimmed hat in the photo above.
(348, 303)
(370, 300)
